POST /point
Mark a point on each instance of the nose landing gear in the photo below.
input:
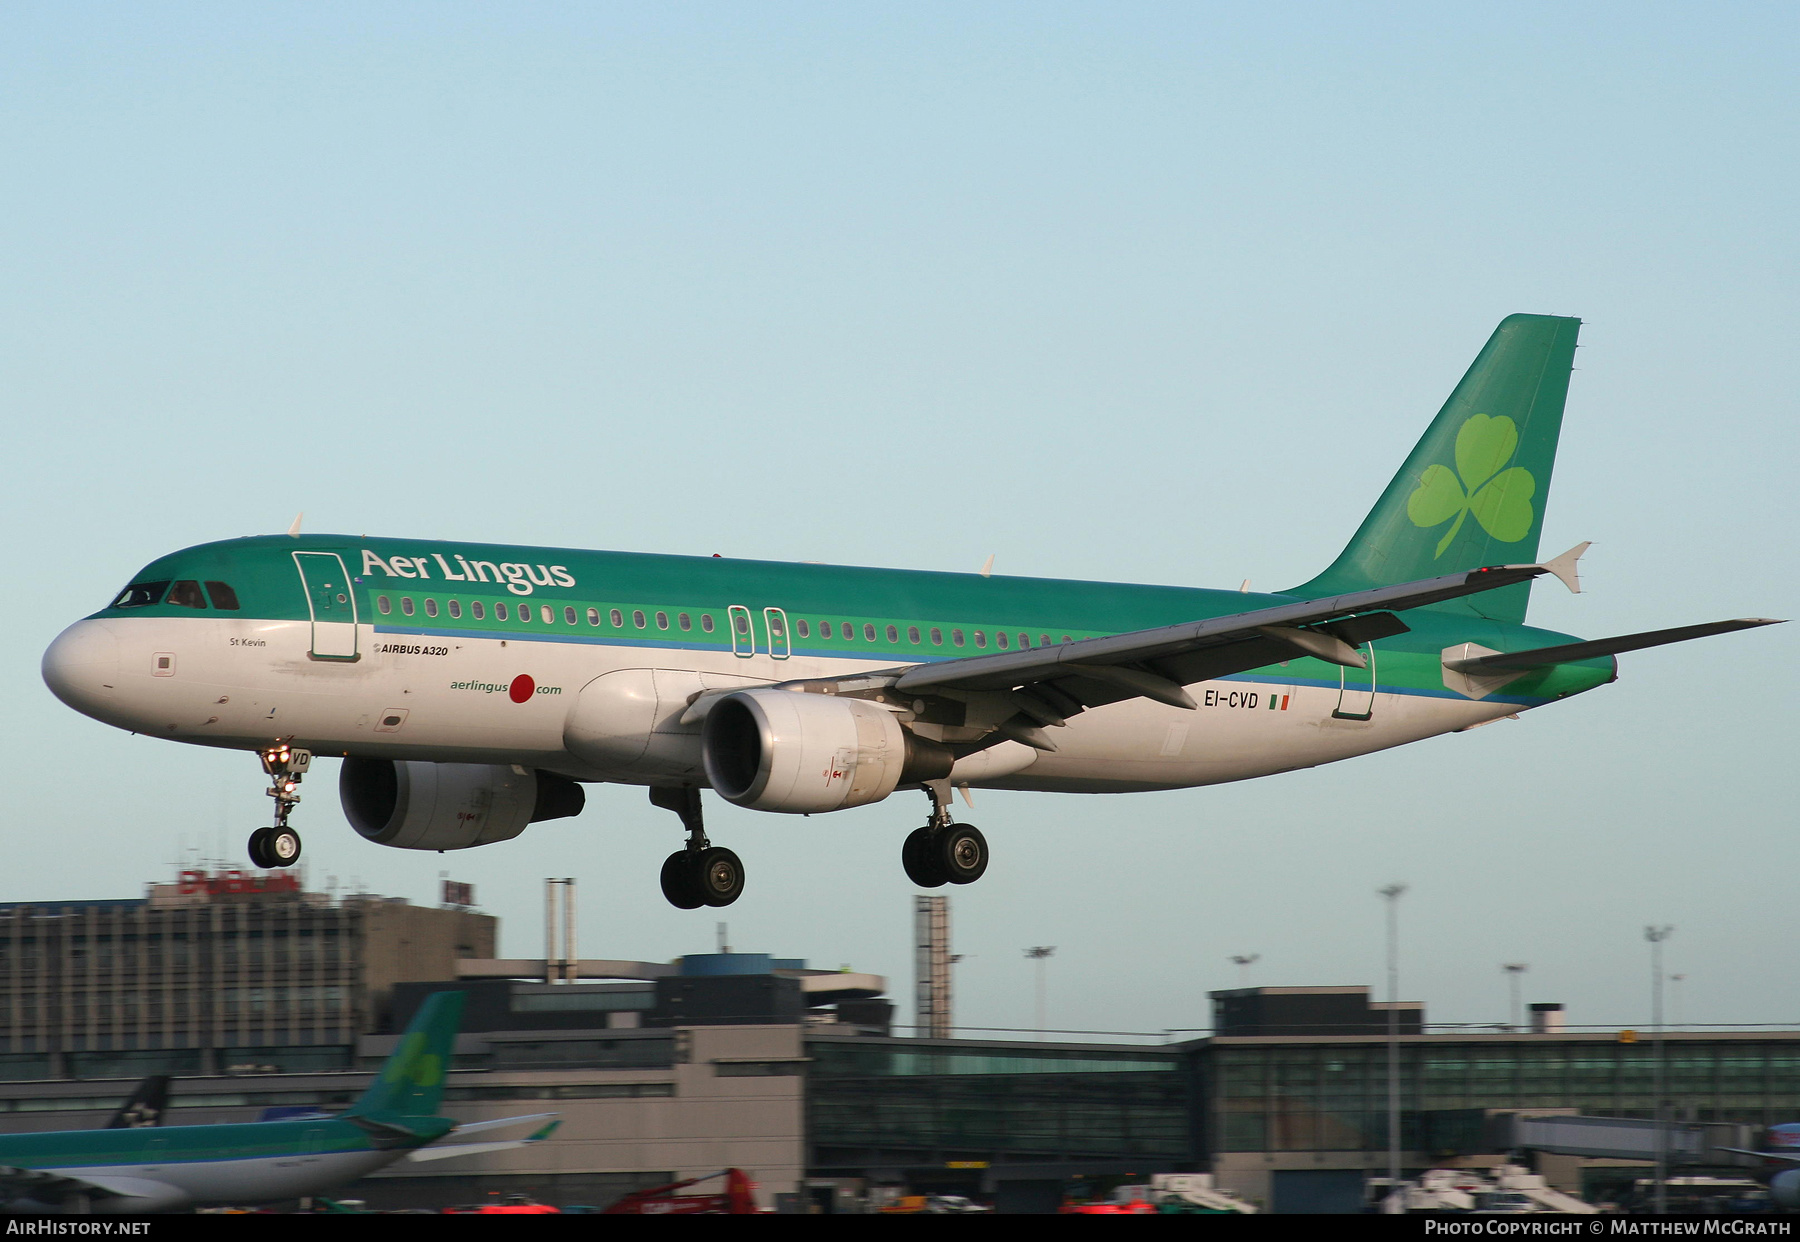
(279, 845)
(702, 874)
(942, 852)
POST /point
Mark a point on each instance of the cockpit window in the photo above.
(186, 594)
(223, 597)
(141, 594)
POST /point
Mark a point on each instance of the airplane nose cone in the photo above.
(82, 666)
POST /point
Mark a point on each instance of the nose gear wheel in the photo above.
(279, 845)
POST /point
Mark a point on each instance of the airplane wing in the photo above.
(1543, 657)
(500, 1123)
(1047, 685)
(1766, 1155)
(51, 1188)
(441, 1152)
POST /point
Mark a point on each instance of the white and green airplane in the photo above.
(167, 1168)
(471, 690)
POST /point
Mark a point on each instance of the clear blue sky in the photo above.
(1141, 292)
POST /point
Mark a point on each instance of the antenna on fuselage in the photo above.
(987, 566)
(294, 530)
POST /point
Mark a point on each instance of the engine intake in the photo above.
(781, 750)
(413, 805)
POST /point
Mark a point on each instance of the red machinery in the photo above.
(738, 1198)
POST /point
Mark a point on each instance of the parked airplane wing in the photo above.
(1543, 657)
(446, 1151)
(51, 1189)
(500, 1123)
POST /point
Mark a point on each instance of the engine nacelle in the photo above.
(1784, 1188)
(782, 750)
(412, 805)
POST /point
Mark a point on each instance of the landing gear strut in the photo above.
(279, 846)
(702, 874)
(943, 852)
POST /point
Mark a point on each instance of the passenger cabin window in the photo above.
(141, 594)
(824, 629)
(549, 617)
(637, 619)
(617, 618)
(569, 614)
(937, 637)
(706, 622)
(406, 605)
(593, 616)
(186, 594)
(893, 633)
(500, 611)
(431, 608)
(1044, 640)
(912, 635)
(455, 607)
(525, 613)
(743, 623)
(1000, 639)
(981, 638)
(1024, 640)
(478, 609)
(384, 605)
(686, 622)
(662, 620)
(223, 597)
(868, 632)
(956, 636)
(804, 628)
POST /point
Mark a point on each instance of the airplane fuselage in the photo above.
(582, 663)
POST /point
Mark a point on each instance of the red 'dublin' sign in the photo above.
(233, 882)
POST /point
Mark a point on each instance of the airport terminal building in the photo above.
(667, 1070)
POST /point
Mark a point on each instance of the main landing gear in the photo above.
(941, 852)
(702, 874)
(279, 846)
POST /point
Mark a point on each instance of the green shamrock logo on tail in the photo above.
(1499, 499)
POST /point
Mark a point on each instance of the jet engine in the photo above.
(782, 750)
(1784, 1188)
(412, 805)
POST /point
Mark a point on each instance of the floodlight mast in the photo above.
(1392, 893)
(1038, 953)
(1656, 935)
(1513, 971)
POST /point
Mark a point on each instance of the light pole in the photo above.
(1513, 971)
(1391, 894)
(1038, 954)
(1244, 962)
(1656, 936)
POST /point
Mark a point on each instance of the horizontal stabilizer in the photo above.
(1568, 653)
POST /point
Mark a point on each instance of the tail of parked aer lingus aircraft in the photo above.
(1473, 490)
(411, 1082)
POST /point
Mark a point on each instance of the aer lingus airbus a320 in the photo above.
(472, 689)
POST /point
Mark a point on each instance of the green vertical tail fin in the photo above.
(411, 1082)
(1472, 491)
